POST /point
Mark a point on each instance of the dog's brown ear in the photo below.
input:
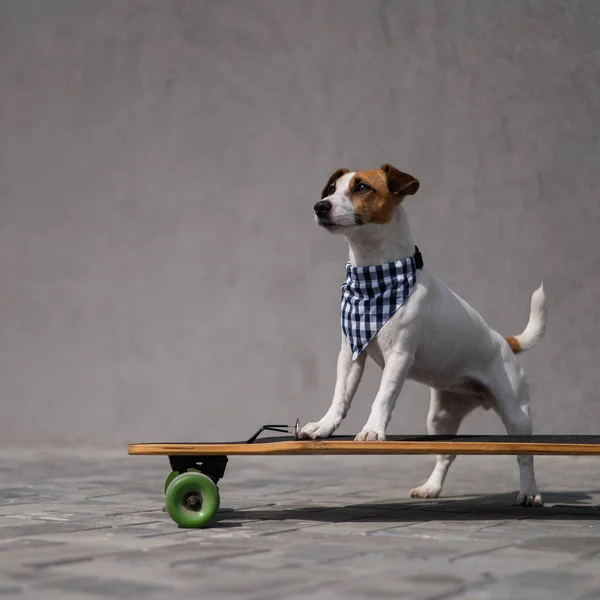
(399, 183)
(334, 177)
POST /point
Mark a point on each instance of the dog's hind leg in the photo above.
(446, 412)
(511, 392)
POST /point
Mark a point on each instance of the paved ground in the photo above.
(89, 524)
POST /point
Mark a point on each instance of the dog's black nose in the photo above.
(322, 208)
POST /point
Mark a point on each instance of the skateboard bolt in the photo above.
(192, 501)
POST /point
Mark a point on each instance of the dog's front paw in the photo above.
(368, 435)
(321, 429)
(531, 499)
(426, 491)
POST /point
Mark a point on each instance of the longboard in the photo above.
(192, 495)
(394, 444)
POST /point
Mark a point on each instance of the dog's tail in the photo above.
(536, 326)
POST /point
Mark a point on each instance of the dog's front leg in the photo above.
(394, 374)
(348, 377)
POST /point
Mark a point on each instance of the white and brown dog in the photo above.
(435, 338)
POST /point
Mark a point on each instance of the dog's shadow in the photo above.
(559, 506)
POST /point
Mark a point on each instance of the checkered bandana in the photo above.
(371, 295)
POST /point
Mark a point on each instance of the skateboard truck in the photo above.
(293, 429)
(211, 466)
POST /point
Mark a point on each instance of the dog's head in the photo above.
(352, 199)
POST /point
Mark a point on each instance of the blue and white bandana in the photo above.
(372, 294)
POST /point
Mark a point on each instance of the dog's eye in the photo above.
(331, 189)
(362, 187)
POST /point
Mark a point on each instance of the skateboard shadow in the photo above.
(558, 506)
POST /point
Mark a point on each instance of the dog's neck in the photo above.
(374, 244)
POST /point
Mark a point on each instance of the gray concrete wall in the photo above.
(161, 275)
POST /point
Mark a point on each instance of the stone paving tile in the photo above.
(88, 523)
(533, 585)
(109, 587)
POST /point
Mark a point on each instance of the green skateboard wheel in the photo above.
(170, 478)
(192, 500)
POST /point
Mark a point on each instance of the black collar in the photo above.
(418, 258)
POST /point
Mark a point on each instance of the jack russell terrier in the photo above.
(413, 326)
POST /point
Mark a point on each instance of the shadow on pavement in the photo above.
(563, 505)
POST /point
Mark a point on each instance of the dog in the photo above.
(433, 337)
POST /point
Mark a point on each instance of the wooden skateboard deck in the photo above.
(396, 444)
